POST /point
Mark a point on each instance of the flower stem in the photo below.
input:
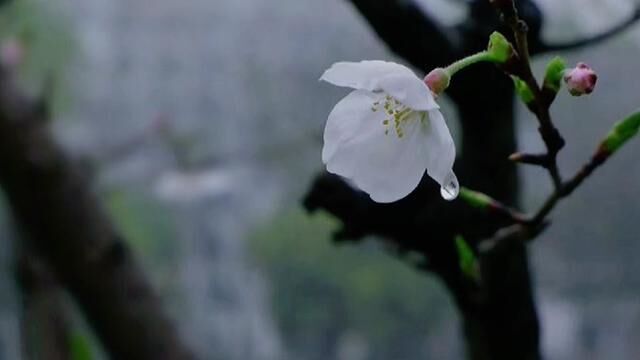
(469, 60)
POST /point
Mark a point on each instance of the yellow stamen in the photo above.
(397, 112)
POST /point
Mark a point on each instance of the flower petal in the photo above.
(375, 75)
(362, 75)
(351, 116)
(439, 149)
(409, 90)
(387, 167)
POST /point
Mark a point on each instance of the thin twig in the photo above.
(568, 187)
(511, 213)
(550, 135)
(529, 228)
(506, 235)
(493, 206)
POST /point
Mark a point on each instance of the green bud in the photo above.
(79, 346)
(499, 48)
(467, 259)
(523, 90)
(554, 73)
(621, 133)
(475, 198)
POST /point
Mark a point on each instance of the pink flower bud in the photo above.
(580, 80)
(11, 53)
(437, 80)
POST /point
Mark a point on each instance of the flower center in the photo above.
(397, 114)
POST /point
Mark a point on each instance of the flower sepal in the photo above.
(622, 132)
(438, 80)
(467, 260)
(524, 91)
(500, 49)
(553, 76)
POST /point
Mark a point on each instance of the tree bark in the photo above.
(499, 318)
(55, 207)
(46, 314)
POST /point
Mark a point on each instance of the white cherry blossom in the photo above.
(387, 132)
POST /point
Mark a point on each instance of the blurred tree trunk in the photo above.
(46, 315)
(55, 207)
(500, 320)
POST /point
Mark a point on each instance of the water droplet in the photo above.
(451, 188)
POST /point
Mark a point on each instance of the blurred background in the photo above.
(201, 124)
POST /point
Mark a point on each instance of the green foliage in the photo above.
(80, 347)
(148, 228)
(145, 223)
(523, 90)
(47, 42)
(500, 48)
(321, 290)
(475, 198)
(622, 132)
(554, 73)
(467, 259)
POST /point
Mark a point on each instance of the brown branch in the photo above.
(55, 207)
(46, 312)
(568, 187)
(549, 133)
(530, 228)
(522, 68)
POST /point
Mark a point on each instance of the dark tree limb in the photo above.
(46, 313)
(499, 316)
(568, 187)
(521, 68)
(409, 32)
(55, 207)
